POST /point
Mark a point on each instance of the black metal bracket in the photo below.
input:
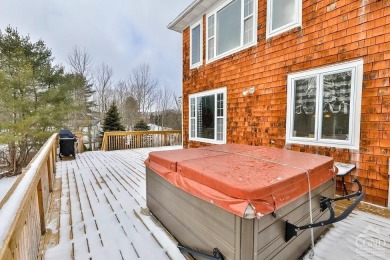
(326, 203)
(217, 255)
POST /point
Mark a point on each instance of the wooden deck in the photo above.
(96, 206)
(365, 234)
(97, 211)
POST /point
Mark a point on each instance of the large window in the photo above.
(196, 45)
(323, 106)
(230, 28)
(283, 15)
(208, 116)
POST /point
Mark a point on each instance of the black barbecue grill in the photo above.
(67, 144)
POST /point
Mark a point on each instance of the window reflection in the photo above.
(305, 107)
(336, 100)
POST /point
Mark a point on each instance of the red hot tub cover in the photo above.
(236, 176)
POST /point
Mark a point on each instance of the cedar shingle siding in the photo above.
(332, 32)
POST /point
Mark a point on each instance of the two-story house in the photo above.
(306, 75)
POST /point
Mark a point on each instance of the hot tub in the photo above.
(237, 198)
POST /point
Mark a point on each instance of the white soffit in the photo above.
(191, 13)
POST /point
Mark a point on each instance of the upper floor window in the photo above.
(283, 15)
(323, 106)
(196, 45)
(230, 28)
(207, 116)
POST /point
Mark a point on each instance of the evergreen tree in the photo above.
(141, 126)
(34, 97)
(112, 120)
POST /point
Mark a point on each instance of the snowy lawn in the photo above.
(5, 185)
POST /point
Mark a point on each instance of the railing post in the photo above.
(41, 208)
(80, 143)
(105, 142)
(55, 158)
(138, 140)
(49, 166)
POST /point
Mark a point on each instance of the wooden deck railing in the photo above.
(23, 209)
(80, 142)
(139, 139)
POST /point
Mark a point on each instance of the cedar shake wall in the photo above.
(333, 32)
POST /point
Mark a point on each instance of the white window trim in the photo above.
(356, 97)
(202, 94)
(298, 23)
(242, 46)
(243, 18)
(198, 64)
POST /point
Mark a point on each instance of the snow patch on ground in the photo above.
(6, 184)
(154, 127)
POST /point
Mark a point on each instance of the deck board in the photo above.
(102, 196)
(361, 236)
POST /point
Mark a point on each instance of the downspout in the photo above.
(388, 189)
(182, 120)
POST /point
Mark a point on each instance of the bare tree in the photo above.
(164, 102)
(176, 101)
(103, 75)
(143, 88)
(80, 61)
(131, 112)
(174, 118)
(121, 92)
(169, 110)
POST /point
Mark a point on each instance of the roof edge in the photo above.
(173, 25)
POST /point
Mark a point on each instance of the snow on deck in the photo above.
(360, 236)
(97, 213)
(102, 197)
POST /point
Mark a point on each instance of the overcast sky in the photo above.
(121, 33)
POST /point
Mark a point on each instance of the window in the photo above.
(283, 15)
(208, 116)
(230, 28)
(196, 45)
(323, 106)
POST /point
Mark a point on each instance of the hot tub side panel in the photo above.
(196, 223)
(203, 226)
(270, 232)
